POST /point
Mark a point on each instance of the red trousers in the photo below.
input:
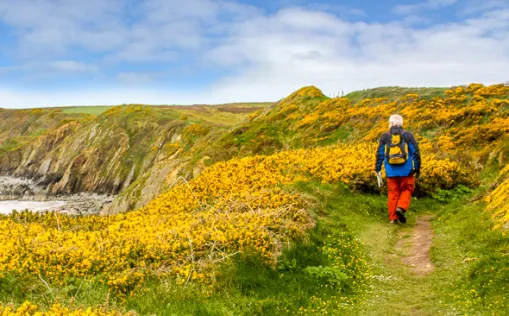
(400, 193)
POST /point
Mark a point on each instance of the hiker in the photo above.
(399, 152)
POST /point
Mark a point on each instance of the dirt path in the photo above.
(417, 246)
(403, 283)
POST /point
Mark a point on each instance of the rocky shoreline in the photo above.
(20, 189)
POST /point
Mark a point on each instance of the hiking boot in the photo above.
(401, 215)
(394, 221)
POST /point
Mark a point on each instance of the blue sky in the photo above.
(73, 52)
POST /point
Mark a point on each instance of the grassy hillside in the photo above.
(395, 92)
(223, 114)
(457, 126)
(287, 218)
(21, 127)
(93, 110)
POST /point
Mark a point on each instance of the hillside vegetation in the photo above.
(19, 128)
(395, 93)
(131, 146)
(93, 110)
(278, 214)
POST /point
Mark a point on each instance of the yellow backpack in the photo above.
(397, 149)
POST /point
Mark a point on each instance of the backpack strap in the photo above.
(404, 141)
(406, 135)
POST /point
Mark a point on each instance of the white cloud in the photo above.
(406, 9)
(137, 77)
(340, 10)
(267, 55)
(136, 31)
(52, 27)
(290, 34)
(415, 19)
(476, 6)
(10, 98)
(56, 68)
(71, 66)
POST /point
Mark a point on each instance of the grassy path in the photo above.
(447, 260)
(404, 280)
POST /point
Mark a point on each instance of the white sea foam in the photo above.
(6, 207)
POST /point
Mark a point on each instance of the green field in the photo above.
(221, 114)
(94, 110)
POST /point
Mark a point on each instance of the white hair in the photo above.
(395, 120)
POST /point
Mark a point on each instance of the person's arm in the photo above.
(415, 154)
(380, 154)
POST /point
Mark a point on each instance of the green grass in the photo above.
(213, 115)
(478, 260)
(470, 257)
(470, 261)
(94, 110)
(245, 286)
(8, 145)
(348, 264)
(249, 104)
(222, 115)
(395, 92)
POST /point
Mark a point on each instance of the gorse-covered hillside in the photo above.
(468, 126)
(467, 119)
(278, 213)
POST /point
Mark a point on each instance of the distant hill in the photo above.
(394, 92)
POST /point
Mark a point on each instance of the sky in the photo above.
(96, 52)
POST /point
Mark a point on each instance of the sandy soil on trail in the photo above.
(417, 247)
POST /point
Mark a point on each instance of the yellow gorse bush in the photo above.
(234, 206)
(497, 200)
(469, 116)
(28, 308)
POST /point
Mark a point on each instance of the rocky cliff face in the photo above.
(127, 145)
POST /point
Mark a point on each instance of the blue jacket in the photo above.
(413, 163)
